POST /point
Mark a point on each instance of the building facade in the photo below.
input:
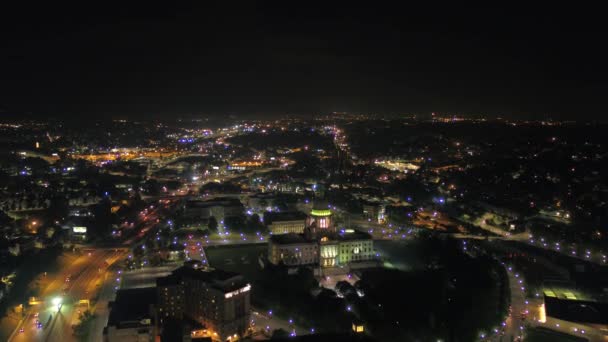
(292, 250)
(220, 208)
(286, 227)
(170, 302)
(320, 244)
(132, 316)
(355, 249)
(285, 223)
(375, 212)
(218, 300)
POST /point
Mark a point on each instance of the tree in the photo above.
(263, 203)
(234, 223)
(253, 224)
(138, 251)
(5, 219)
(279, 334)
(103, 218)
(155, 259)
(152, 187)
(58, 208)
(305, 279)
(81, 329)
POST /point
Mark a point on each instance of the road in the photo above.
(86, 274)
(386, 232)
(599, 257)
(513, 326)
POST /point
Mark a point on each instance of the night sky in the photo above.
(276, 58)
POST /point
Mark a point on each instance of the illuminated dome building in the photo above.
(321, 245)
(319, 224)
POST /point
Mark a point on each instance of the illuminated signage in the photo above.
(80, 230)
(239, 291)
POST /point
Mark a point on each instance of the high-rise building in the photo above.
(217, 299)
(170, 298)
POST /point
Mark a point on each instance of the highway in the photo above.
(59, 307)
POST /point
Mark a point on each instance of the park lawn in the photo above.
(407, 255)
(237, 258)
(445, 291)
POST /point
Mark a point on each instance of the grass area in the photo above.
(406, 255)
(242, 259)
(546, 335)
(82, 329)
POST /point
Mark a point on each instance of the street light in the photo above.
(57, 302)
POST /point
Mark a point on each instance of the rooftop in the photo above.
(216, 278)
(564, 290)
(353, 235)
(170, 280)
(131, 306)
(270, 217)
(290, 238)
(574, 310)
(320, 212)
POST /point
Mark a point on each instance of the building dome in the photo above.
(320, 208)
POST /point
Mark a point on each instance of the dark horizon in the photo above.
(260, 60)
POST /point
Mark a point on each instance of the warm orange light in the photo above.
(542, 314)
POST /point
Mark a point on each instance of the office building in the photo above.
(217, 299)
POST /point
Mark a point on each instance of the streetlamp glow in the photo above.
(57, 302)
